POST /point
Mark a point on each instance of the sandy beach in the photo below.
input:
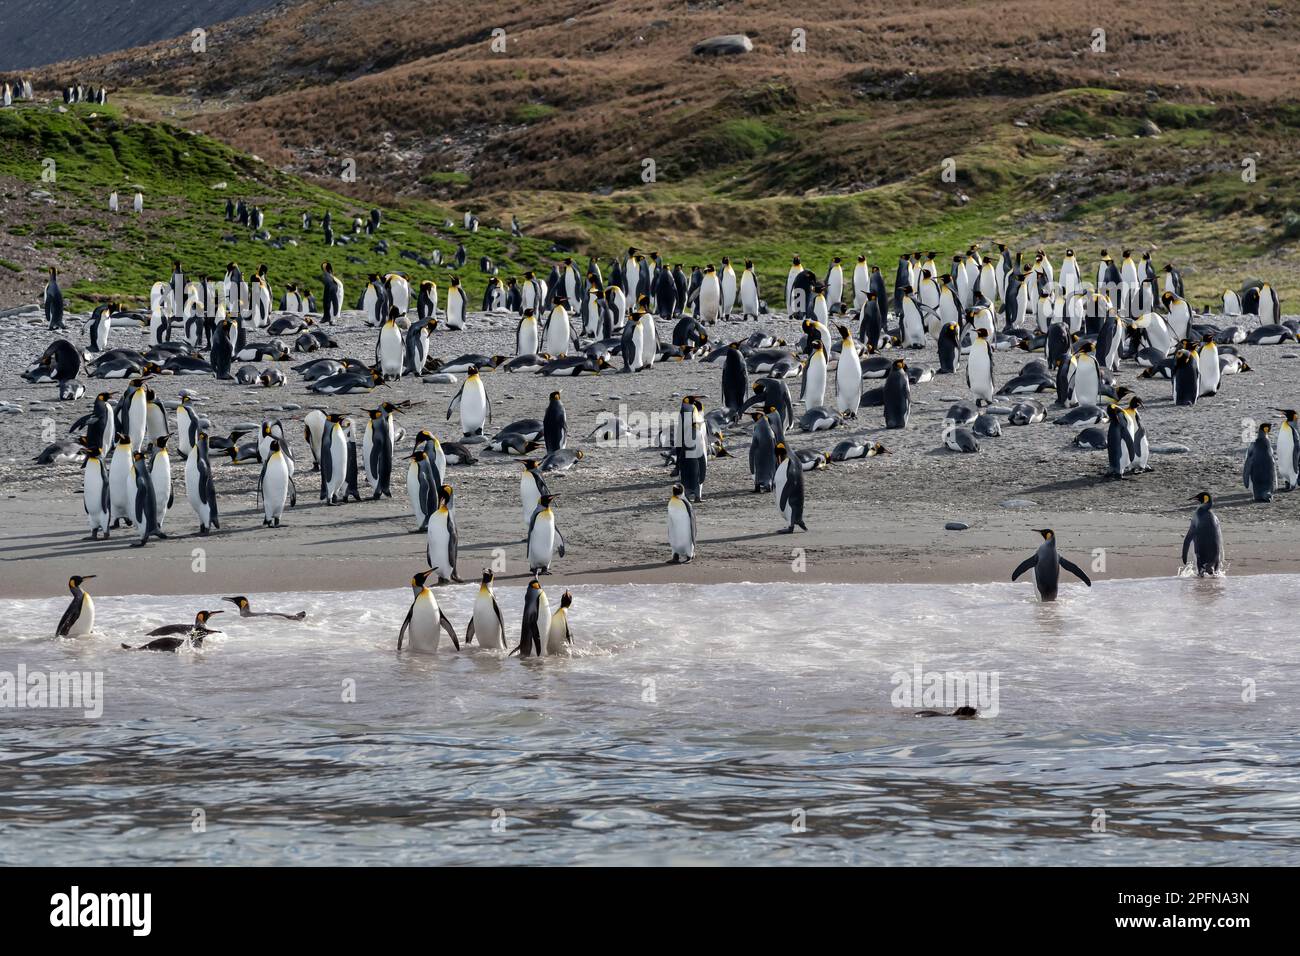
(875, 520)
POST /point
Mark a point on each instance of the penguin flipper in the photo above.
(1074, 569)
(446, 626)
(69, 618)
(1024, 566)
(1187, 540)
(401, 635)
(561, 537)
(469, 632)
(496, 609)
(1245, 468)
(455, 401)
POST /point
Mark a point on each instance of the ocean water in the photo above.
(1140, 722)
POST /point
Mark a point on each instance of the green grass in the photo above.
(96, 150)
(532, 112)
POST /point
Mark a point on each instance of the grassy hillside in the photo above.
(104, 255)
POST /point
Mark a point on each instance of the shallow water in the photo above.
(705, 724)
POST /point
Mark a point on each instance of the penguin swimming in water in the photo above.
(172, 637)
(1205, 537)
(1259, 473)
(246, 610)
(1047, 564)
(485, 621)
(424, 618)
(79, 618)
(536, 622)
(681, 527)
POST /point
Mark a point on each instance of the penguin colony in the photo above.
(1092, 326)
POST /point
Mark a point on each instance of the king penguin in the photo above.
(1047, 564)
(79, 619)
(681, 527)
(1205, 537)
(424, 618)
(486, 622)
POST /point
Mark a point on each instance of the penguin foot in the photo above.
(789, 530)
(675, 559)
(161, 535)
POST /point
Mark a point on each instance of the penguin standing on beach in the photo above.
(1288, 450)
(692, 446)
(544, 538)
(1047, 564)
(1205, 537)
(473, 402)
(144, 506)
(79, 618)
(1259, 473)
(848, 376)
(735, 379)
(199, 486)
(788, 488)
(52, 296)
(442, 546)
(555, 425)
(681, 527)
(898, 396)
(424, 618)
(273, 485)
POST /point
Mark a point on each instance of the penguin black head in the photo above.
(900, 364)
(1265, 428)
(555, 396)
(546, 500)
(677, 490)
(534, 583)
(420, 577)
(566, 600)
(239, 601)
(1204, 498)
(487, 576)
(844, 332)
(1288, 413)
(203, 616)
(447, 493)
(880, 449)
(780, 451)
(530, 464)
(74, 582)
(1047, 533)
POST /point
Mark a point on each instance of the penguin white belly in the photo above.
(558, 333)
(814, 391)
(979, 371)
(1086, 385)
(728, 292)
(913, 325)
(529, 496)
(473, 407)
(710, 300)
(1286, 440)
(390, 351)
(748, 295)
(439, 540)
(541, 543)
(119, 477)
(487, 629)
(848, 381)
(557, 635)
(275, 488)
(338, 452)
(424, 624)
(85, 621)
(778, 485)
(1208, 359)
(413, 491)
(161, 477)
(93, 497)
(455, 309)
(647, 347)
(526, 339)
(137, 419)
(679, 530)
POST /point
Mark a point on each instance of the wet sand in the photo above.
(875, 520)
